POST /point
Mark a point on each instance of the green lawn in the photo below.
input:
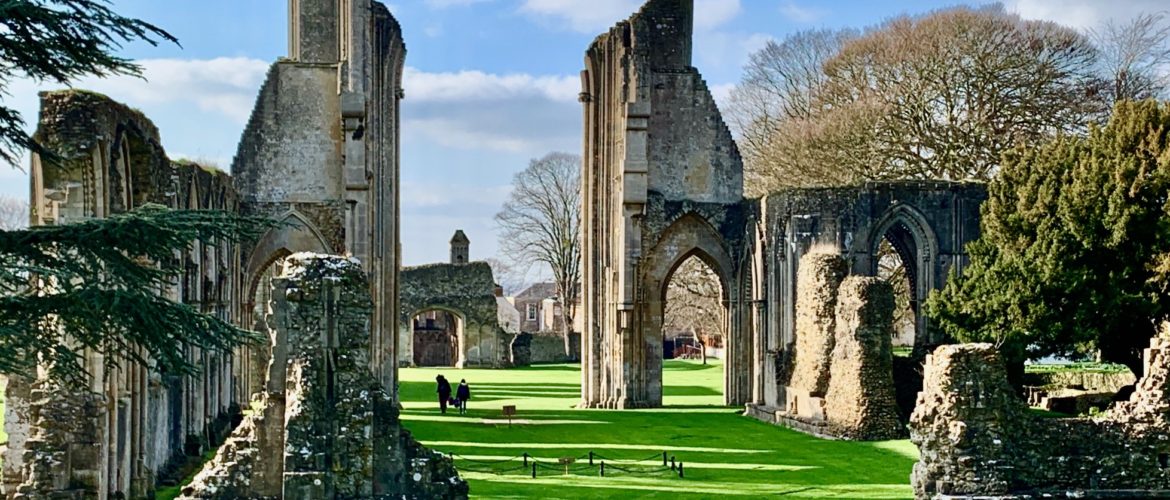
(723, 452)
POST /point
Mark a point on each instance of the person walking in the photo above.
(462, 394)
(444, 391)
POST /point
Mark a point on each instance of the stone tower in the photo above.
(460, 248)
(320, 152)
(662, 180)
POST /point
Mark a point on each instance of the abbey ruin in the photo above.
(314, 411)
(663, 181)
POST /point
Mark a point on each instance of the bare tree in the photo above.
(694, 302)
(13, 213)
(511, 279)
(780, 85)
(939, 96)
(1135, 56)
(540, 224)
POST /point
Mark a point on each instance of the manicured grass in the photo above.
(725, 454)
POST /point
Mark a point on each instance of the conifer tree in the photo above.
(1074, 255)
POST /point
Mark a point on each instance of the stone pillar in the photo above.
(819, 277)
(860, 403)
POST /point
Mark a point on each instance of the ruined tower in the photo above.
(460, 248)
(320, 151)
(662, 180)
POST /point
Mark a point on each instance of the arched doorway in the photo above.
(435, 338)
(694, 334)
(904, 247)
(688, 237)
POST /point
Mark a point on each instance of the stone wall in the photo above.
(542, 348)
(662, 181)
(146, 424)
(468, 292)
(976, 437)
(327, 428)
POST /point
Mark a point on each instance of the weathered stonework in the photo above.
(542, 348)
(841, 383)
(327, 429)
(977, 439)
(816, 313)
(467, 291)
(145, 424)
(860, 401)
(662, 181)
(320, 153)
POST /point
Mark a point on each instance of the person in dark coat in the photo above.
(462, 394)
(444, 391)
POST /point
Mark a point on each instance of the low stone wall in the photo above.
(976, 437)
(327, 428)
(543, 348)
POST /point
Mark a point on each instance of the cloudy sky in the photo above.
(490, 84)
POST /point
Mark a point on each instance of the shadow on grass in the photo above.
(689, 390)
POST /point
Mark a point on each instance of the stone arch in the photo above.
(686, 237)
(916, 243)
(461, 327)
(294, 234)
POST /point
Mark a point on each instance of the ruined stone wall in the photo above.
(468, 292)
(840, 370)
(142, 424)
(816, 313)
(327, 429)
(976, 437)
(320, 152)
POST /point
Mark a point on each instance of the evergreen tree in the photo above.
(99, 284)
(1074, 255)
(59, 41)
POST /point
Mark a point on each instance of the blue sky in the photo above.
(490, 84)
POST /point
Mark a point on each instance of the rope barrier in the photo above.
(587, 464)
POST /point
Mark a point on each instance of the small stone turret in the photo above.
(460, 248)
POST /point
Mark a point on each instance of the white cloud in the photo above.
(586, 16)
(433, 30)
(711, 14)
(1084, 13)
(225, 86)
(799, 13)
(477, 85)
(506, 113)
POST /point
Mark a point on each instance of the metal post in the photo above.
(603, 468)
(664, 459)
(680, 469)
(591, 458)
(534, 469)
(672, 466)
(526, 459)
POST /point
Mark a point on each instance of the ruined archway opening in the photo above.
(435, 335)
(897, 263)
(694, 332)
(896, 269)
